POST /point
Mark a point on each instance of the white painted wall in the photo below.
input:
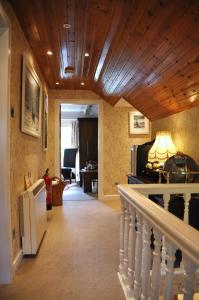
(5, 220)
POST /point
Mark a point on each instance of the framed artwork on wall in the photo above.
(31, 101)
(45, 121)
(138, 124)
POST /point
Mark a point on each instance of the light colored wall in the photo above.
(117, 143)
(26, 153)
(184, 128)
(114, 143)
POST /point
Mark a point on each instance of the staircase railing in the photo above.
(149, 238)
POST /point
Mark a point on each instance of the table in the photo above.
(86, 178)
(57, 191)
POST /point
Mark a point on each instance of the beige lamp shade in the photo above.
(163, 147)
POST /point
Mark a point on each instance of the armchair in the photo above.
(69, 163)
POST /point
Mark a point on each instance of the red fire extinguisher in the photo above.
(48, 182)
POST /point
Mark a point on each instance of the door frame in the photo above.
(6, 270)
(100, 137)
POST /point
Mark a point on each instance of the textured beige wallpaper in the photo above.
(184, 127)
(26, 152)
(117, 143)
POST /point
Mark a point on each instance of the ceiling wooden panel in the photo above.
(146, 51)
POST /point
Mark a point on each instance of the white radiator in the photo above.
(33, 217)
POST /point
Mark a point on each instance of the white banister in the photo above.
(187, 197)
(126, 242)
(144, 227)
(190, 269)
(146, 261)
(138, 256)
(121, 266)
(155, 280)
(131, 252)
(169, 271)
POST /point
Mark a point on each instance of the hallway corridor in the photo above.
(78, 258)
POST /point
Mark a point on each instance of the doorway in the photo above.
(5, 222)
(79, 151)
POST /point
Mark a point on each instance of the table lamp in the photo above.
(162, 149)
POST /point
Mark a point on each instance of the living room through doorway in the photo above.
(79, 151)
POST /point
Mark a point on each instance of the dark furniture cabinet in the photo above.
(88, 140)
(87, 177)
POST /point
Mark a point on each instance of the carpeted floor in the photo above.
(73, 192)
(78, 259)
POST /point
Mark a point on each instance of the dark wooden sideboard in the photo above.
(140, 179)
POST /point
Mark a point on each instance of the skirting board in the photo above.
(17, 261)
(110, 197)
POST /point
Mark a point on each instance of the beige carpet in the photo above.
(78, 258)
(73, 192)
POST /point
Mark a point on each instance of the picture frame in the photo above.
(138, 124)
(31, 101)
(45, 121)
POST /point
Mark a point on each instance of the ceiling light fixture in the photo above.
(82, 83)
(49, 52)
(193, 98)
(66, 26)
(86, 54)
(69, 70)
(57, 83)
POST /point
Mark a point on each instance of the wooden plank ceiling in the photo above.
(146, 51)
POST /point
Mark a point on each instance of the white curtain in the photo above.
(75, 144)
(74, 134)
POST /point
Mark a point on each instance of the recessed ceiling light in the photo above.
(66, 26)
(82, 83)
(86, 54)
(49, 52)
(57, 83)
(193, 98)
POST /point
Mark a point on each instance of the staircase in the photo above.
(149, 238)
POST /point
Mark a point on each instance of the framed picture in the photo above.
(138, 123)
(45, 121)
(31, 101)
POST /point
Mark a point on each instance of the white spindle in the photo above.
(168, 292)
(131, 252)
(155, 280)
(187, 197)
(138, 256)
(138, 215)
(190, 269)
(166, 200)
(121, 265)
(126, 241)
(146, 259)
